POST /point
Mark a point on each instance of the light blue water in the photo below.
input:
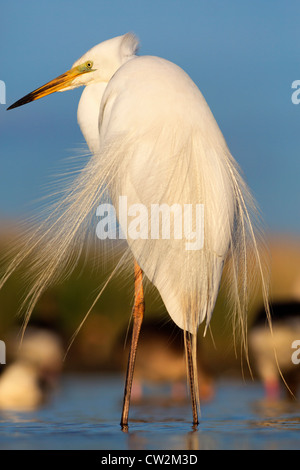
(85, 414)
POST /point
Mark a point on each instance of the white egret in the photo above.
(154, 140)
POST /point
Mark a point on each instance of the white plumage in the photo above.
(154, 140)
(164, 146)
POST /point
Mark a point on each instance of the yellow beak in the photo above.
(60, 82)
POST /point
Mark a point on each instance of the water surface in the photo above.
(85, 414)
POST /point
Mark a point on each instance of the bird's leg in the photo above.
(138, 315)
(191, 375)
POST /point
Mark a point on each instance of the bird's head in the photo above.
(97, 65)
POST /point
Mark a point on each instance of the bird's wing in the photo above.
(170, 154)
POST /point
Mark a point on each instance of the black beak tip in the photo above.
(15, 105)
(26, 99)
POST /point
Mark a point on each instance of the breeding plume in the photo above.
(155, 144)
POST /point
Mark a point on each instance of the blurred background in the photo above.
(243, 56)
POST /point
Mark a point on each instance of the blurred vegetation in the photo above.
(97, 345)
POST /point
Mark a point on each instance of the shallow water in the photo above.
(85, 414)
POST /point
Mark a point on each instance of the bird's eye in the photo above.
(85, 67)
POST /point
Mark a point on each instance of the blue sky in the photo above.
(243, 56)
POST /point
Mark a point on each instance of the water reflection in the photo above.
(281, 414)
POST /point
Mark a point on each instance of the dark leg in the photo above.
(191, 377)
(138, 315)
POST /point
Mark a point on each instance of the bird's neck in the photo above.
(88, 113)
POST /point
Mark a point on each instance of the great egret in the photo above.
(155, 142)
